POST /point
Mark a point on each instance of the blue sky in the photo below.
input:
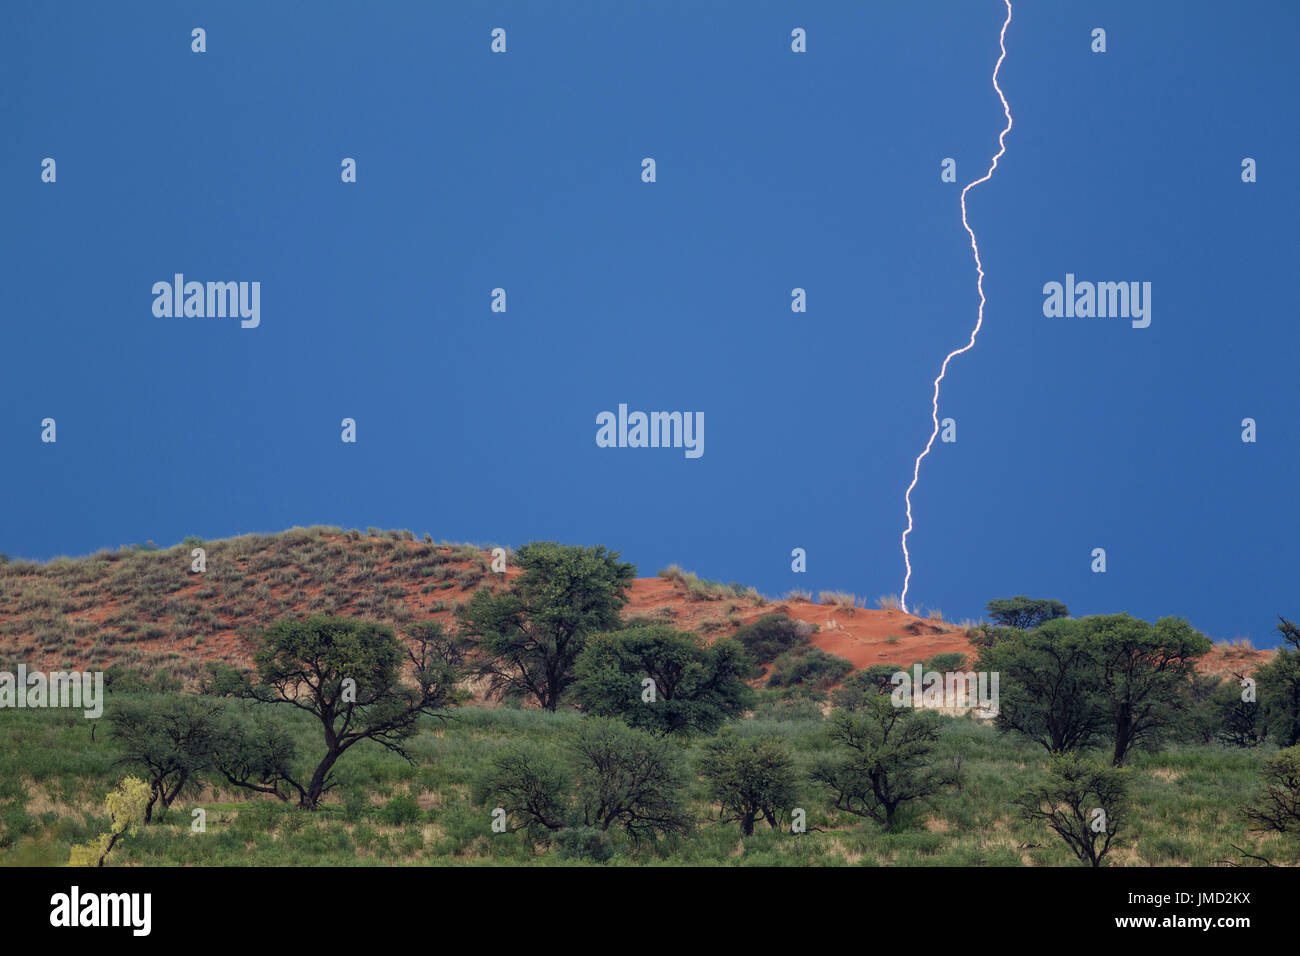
(775, 170)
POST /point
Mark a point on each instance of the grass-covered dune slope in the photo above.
(345, 698)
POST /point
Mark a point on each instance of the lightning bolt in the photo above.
(979, 322)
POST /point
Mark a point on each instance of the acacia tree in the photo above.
(1277, 807)
(532, 785)
(868, 682)
(525, 640)
(1279, 688)
(1143, 669)
(173, 739)
(348, 675)
(884, 761)
(1082, 802)
(1069, 680)
(606, 776)
(256, 755)
(749, 778)
(694, 687)
(1235, 716)
(1201, 718)
(1049, 685)
(1025, 613)
(630, 779)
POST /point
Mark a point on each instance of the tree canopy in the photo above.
(526, 640)
(1070, 682)
(663, 680)
(881, 759)
(348, 675)
(1024, 612)
(750, 779)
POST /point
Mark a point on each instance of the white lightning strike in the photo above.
(979, 267)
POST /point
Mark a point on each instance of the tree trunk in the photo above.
(1121, 741)
(311, 799)
(148, 807)
(168, 798)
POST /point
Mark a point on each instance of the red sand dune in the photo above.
(858, 634)
(863, 636)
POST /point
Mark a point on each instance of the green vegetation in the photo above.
(1279, 688)
(771, 636)
(662, 680)
(126, 814)
(360, 735)
(749, 779)
(1277, 807)
(172, 740)
(53, 776)
(876, 679)
(1071, 682)
(810, 667)
(1023, 613)
(347, 675)
(606, 776)
(1082, 802)
(884, 759)
(526, 640)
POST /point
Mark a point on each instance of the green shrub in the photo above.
(696, 686)
(869, 682)
(355, 804)
(808, 666)
(771, 636)
(583, 843)
(944, 663)
(401, 810)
